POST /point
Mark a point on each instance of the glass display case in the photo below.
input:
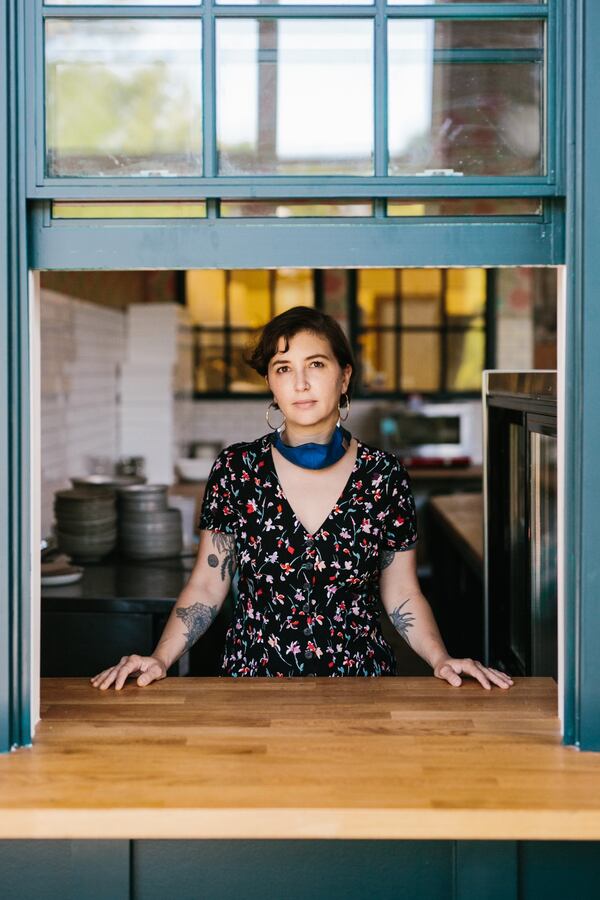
(520, 469)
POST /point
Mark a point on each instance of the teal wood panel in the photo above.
(582, 414)
(69, 870)
(259, 245)
(15, 616)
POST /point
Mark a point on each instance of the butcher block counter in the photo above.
(300, 758)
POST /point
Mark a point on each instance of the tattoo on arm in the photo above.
(225, 544)
(386, 558)
(197, 618)
(402, 621)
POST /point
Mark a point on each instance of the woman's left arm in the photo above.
(412, 617)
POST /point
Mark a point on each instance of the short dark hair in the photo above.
(289, 323)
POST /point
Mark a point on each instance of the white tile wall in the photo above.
(82, 345)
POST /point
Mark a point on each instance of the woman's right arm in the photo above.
(193, 613)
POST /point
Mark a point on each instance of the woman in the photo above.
(319, 525)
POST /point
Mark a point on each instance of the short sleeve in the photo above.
(219, 512)
(401, 520)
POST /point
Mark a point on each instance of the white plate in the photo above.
(51, 580)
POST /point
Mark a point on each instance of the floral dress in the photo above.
(307, 604)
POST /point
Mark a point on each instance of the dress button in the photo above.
(308, 654)
(308, 631)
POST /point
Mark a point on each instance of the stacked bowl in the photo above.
(86, 523)
(148, 529)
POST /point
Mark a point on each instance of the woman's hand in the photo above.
(149, 668)
(447, 669)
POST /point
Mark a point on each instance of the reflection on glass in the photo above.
(283, 209)
(419, 361)
(210, 357)
(465, 97)
(205, 296)
(376, 296)
(377, 354)
(123, 97)
(517, 539)
(421, 293)
(293, 287)
(543, 564)
(249, 297)
(461, 206)
(124, 209)
(294, 96)
(465, 354)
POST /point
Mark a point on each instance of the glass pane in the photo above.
(477, 206)
(421, 296)
(377, 354)
(466, 291)
(465, 97)
(425, 2)
(249, 293)
(420, 362)
(205, 296)
(294, 2)
(294, 96)
(123, 209)
(122, 2)
(543, 563)
(376, 296)
(210, 371)
(518, 615)
(465, 359)
(293, 287)
(242, 378)
(241, 209)
(123, 97)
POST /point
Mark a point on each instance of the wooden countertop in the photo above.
(300, 758)
(461, 515)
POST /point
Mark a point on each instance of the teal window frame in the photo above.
(211, 186)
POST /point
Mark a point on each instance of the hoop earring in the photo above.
(346, 407)
(274, 405)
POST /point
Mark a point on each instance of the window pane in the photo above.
(421, 293)
(420, 362)
(249, 297)
(123, 97)
(465, 97)
(376, 296)
(122, 209)
(377, 353)
(241, 209)
(462, 206)
(242, 378)
(205, 296)
(466, 291)
(466, 357)
(293, 287)
(210, 371)
(294, 96)
(122, 2)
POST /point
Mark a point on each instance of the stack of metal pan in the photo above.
(148, 529)
(86, 523)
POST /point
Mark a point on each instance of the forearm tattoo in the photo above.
(197, 618)
(386, 558)
(402, 621)
(225, 544)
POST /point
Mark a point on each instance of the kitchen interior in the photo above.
(143, 382)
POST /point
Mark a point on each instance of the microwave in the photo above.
(443, 430)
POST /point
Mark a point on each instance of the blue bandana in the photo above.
(312, 455)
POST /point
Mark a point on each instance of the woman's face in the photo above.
(306, 379)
